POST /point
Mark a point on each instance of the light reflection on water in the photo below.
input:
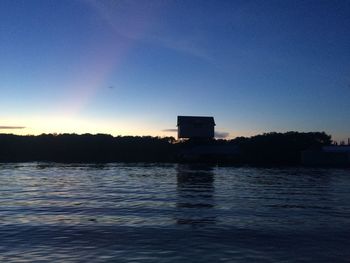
(172, 212)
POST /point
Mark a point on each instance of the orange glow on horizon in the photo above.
(123, 127)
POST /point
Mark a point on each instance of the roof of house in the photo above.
(183, 120)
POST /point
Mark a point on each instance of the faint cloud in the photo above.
(130, 19)
(11, 127)
(221, 135)
(169, 130)
(139, 21)
(218, 134)
(183, 45)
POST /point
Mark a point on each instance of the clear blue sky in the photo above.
(130, 67)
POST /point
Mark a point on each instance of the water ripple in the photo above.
(172, 212)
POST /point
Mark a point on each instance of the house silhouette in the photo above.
(190, 127)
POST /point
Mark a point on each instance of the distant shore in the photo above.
(264, 149)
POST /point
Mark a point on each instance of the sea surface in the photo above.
(172, 213)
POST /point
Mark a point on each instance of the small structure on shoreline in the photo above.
(195, 127)
(201, 146)
(327, 155)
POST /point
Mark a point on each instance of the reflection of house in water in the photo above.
(327, 155)
(195, 195)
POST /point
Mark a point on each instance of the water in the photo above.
(172, 213)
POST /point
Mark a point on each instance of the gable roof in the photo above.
(183, 120)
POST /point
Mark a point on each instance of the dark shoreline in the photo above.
(266, 150)
(190, 164)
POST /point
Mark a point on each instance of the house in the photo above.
(195, 127)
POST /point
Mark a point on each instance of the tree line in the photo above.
(268, 148)
(84, 148)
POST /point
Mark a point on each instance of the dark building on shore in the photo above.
(202, 147)
(327, 155)
(195, 127)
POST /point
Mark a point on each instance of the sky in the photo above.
(131, 67)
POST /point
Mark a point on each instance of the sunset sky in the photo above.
(130, 67)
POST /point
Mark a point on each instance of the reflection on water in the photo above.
(170, 213)
(195, 199)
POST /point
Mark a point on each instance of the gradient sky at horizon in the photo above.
(130, 67)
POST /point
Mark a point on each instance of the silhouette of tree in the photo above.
(267, 148)
(279, 148)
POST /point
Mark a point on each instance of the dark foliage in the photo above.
(84, 148)
(265, 149)
(279, 148)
